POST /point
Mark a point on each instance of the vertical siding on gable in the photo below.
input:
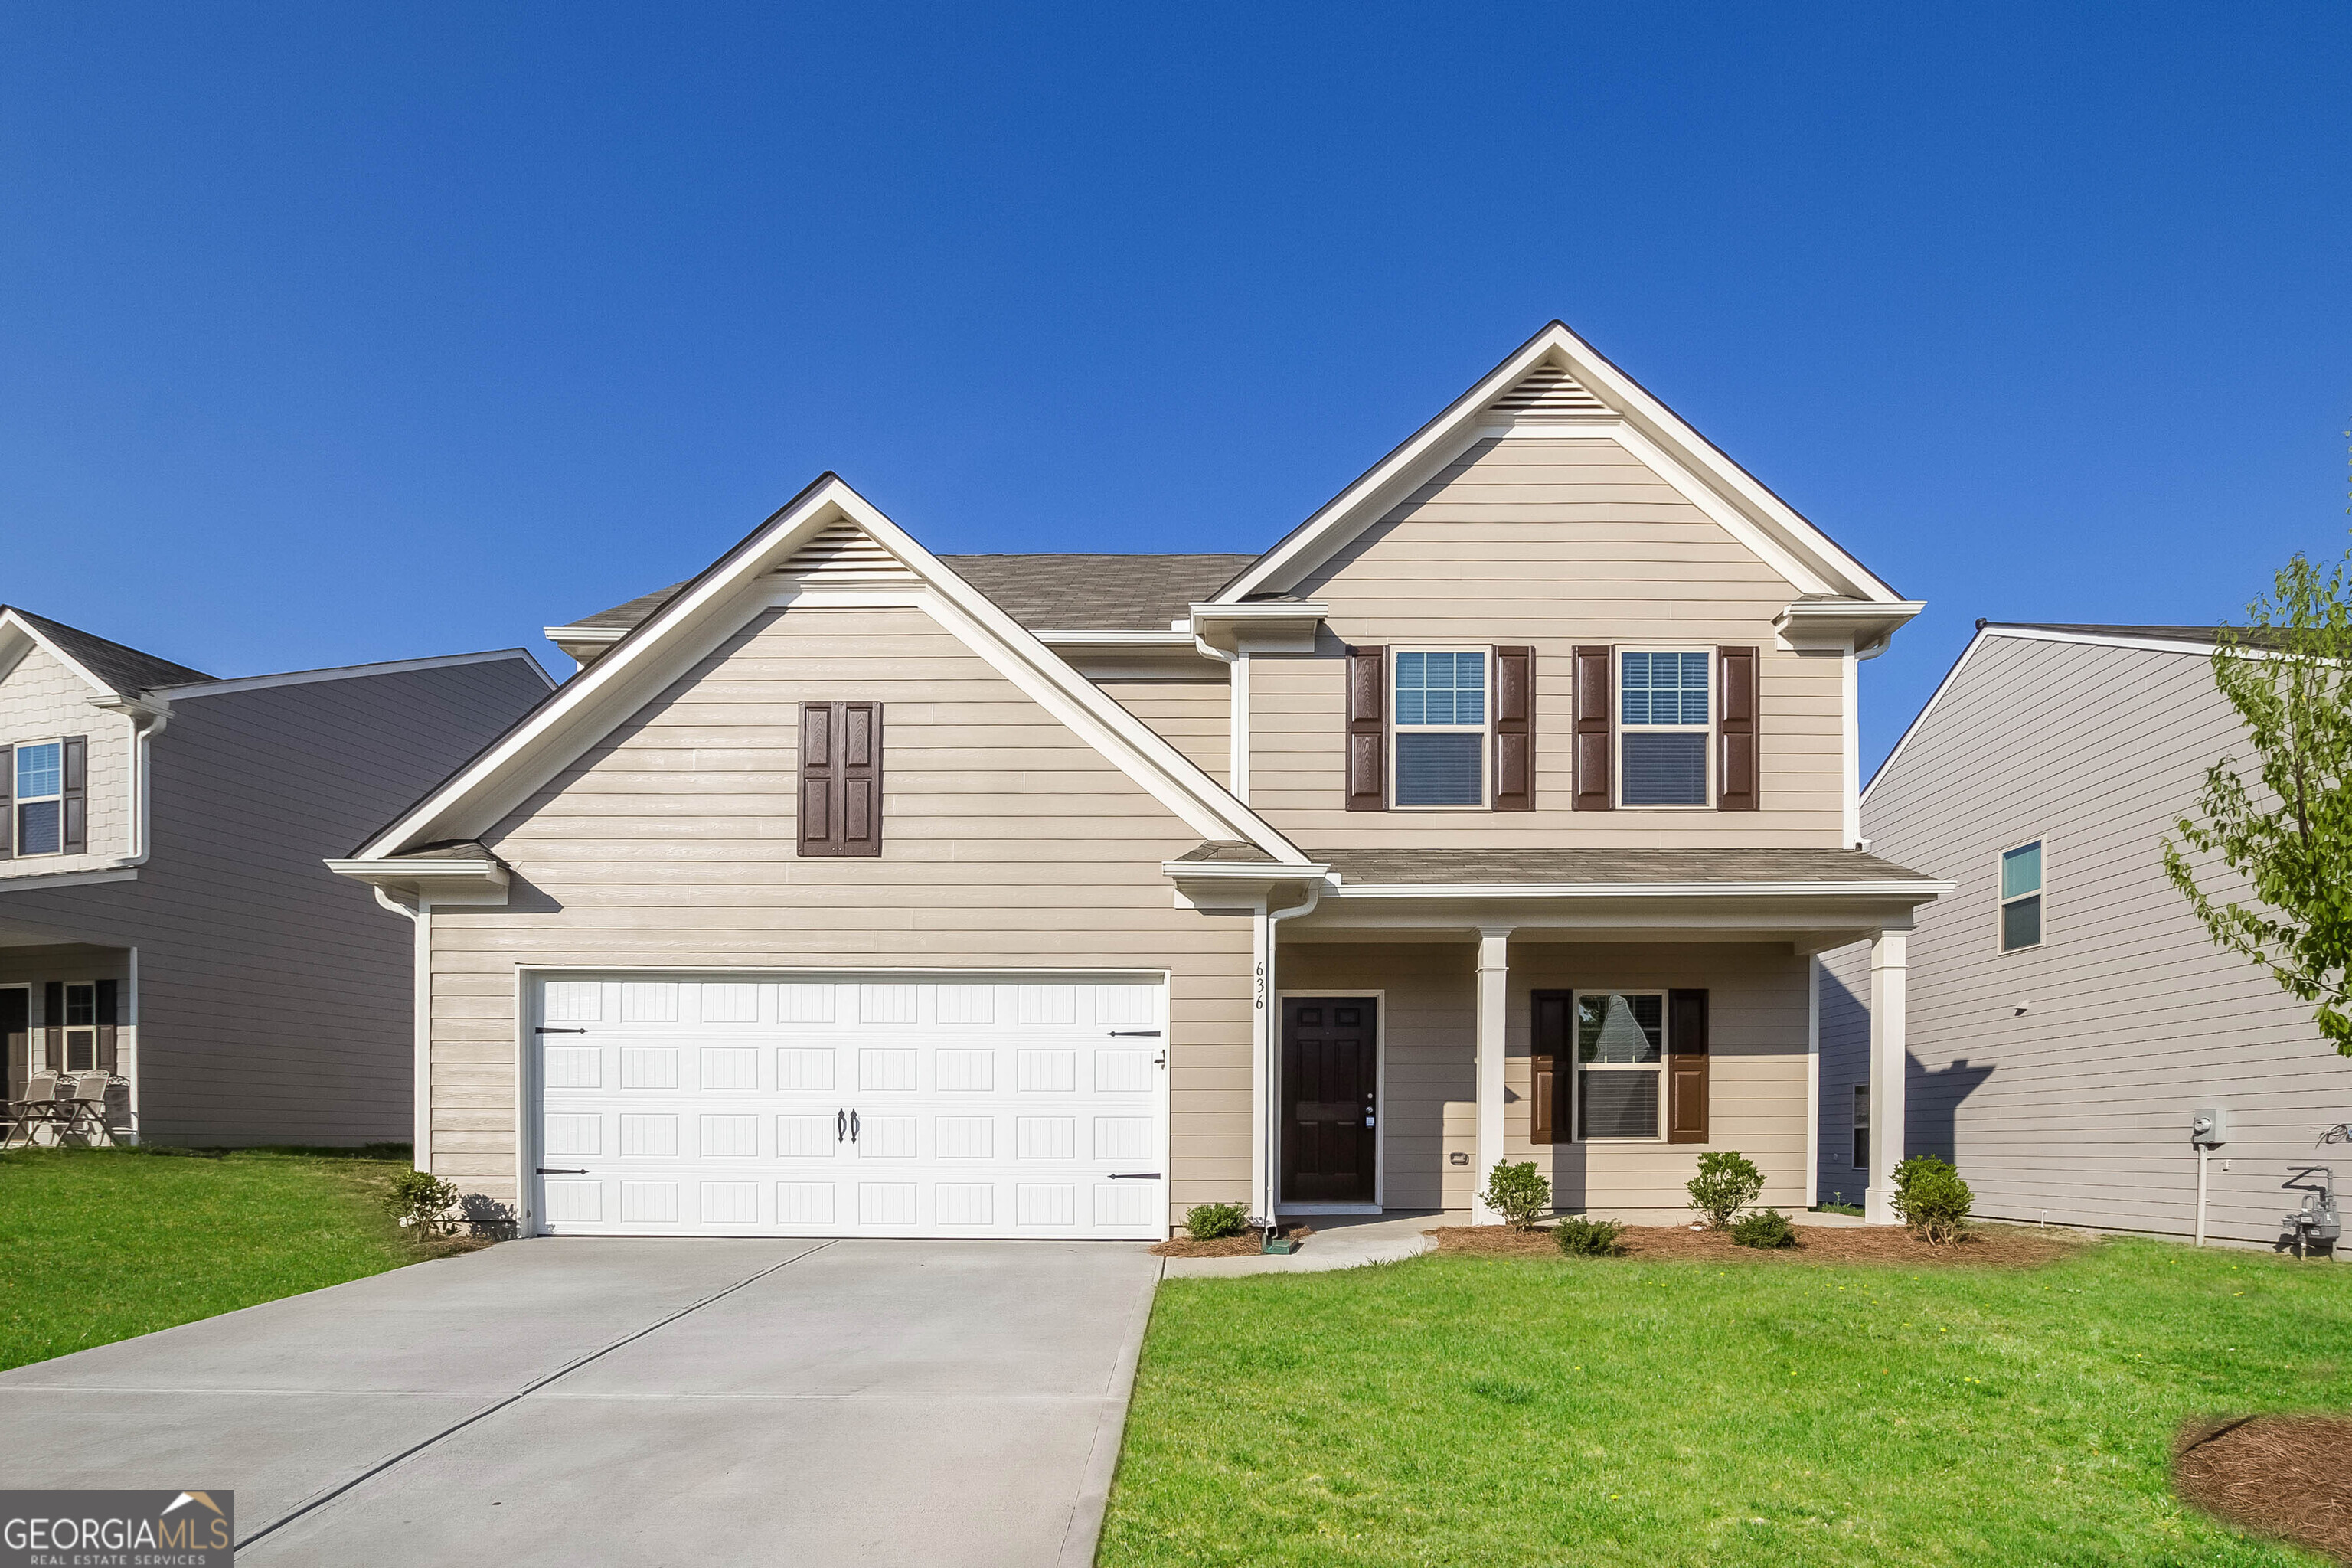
(1549, 543)
(2080, 1104)
(41, 699)
(1010, 843)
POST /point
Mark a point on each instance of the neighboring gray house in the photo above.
(2067, 1012)
(164, 913)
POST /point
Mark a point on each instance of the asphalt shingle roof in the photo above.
(126, 669)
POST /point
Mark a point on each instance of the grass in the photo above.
(98, 1245)
(1469, 1411)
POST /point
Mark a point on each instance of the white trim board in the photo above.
(347, 672)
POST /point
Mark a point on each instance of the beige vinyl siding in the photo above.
(274, 998)
(41, 699)
(2132, 1019)
(1194, 716)
(1552, 544)
(1757, 1022)
(1008, 842)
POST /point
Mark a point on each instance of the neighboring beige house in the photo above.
(163, 915)
(1493, 813)
(2069, 1014)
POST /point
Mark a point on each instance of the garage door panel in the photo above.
(856, 1106)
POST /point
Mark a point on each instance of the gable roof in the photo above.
(114, 666)
(699, 613)
(1049, 592)
(1559, 381)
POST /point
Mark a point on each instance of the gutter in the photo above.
(149, 716)
(1633, 889)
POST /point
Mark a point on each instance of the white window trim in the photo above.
(66, 1029)
(2001, 902)
(1575, 1057)
(17, 802)
(1619, 728)
(1486, 730)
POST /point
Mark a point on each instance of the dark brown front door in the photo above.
(1330, 1070)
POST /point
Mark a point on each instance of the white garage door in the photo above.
(867, 1105)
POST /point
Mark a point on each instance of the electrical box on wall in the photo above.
(2210, 1128)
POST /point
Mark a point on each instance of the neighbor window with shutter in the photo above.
(841, 779)
(47, 813)
(1439, 738)
(2021, 897)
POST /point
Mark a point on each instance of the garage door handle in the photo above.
(1135, 1175)
(840, 1125)
(562, 1171)
(1135, 1033)
(853, 1127)
(544, 1029)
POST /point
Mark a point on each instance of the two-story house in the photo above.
(1495, 812)
(163, 915)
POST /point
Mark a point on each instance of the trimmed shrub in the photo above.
(422, 1200)
(1727, 1182)
(1518, 1192)
(1208, 1222)
(1771, 1228)
(1590, 1237)
(1930, 1198)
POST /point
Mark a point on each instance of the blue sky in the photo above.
(337, 334)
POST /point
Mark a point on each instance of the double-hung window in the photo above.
(40, 798)
(80, 1028)
(1621, 1038)
(2021, 897)
(1664, 726)
(1441, 730)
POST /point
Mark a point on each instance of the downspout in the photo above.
(1267, 1157)
(147, 715)
(1237, 712)
(421, 1005)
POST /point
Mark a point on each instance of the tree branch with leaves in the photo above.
(2285, 826)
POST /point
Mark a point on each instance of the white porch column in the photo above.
(1265, 1042)
(1494, 1002)
(1889, 982)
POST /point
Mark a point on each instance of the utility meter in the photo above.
(2210, 1128)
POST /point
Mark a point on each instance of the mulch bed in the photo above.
(2003, 1246)
(2280, 1476)
(1243, 1246)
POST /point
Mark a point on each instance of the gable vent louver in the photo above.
(844, 552)
(1549, 389)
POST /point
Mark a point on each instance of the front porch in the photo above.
(1426, 1015)
(70, 1008)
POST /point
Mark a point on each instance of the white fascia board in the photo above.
(31, 636)
(1828, 624)
(1794, 546)
(1246, 871)
(45, 881)
(1083, 637)
(348, 672)
(1924, 889)
(423, 871)
(701, 615)
(587, 636)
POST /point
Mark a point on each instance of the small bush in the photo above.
(1518, 1192)
(1771, 1228)
(1208, 1222)
(1930, 1198)
(423, 1200)
(1590, 1237)
(1727, 1182)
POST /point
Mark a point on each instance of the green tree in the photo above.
(2285, 826)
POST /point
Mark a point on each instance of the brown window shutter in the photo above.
(1368, 710)
(1737, 784)
(1549, 1069)
(53, 1025)
(1515, 708)
(1686, 1076)
(7, 801)
(1596, 790)
(841, 779)
(73, 810)
(859, 736)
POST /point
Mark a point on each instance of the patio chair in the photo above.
(37, 1109)
(87, 1100)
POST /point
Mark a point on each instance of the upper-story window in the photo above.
(2021, 897)
(1440, 729)
(1664, 723)
(40, 779)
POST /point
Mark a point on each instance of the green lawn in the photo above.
(1459, 1410)
(101, 1244)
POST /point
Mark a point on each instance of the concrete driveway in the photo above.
(619, 1401)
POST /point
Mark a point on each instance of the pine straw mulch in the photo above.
(1245, 1245)
(2280, 1476)
(1999, 1246)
